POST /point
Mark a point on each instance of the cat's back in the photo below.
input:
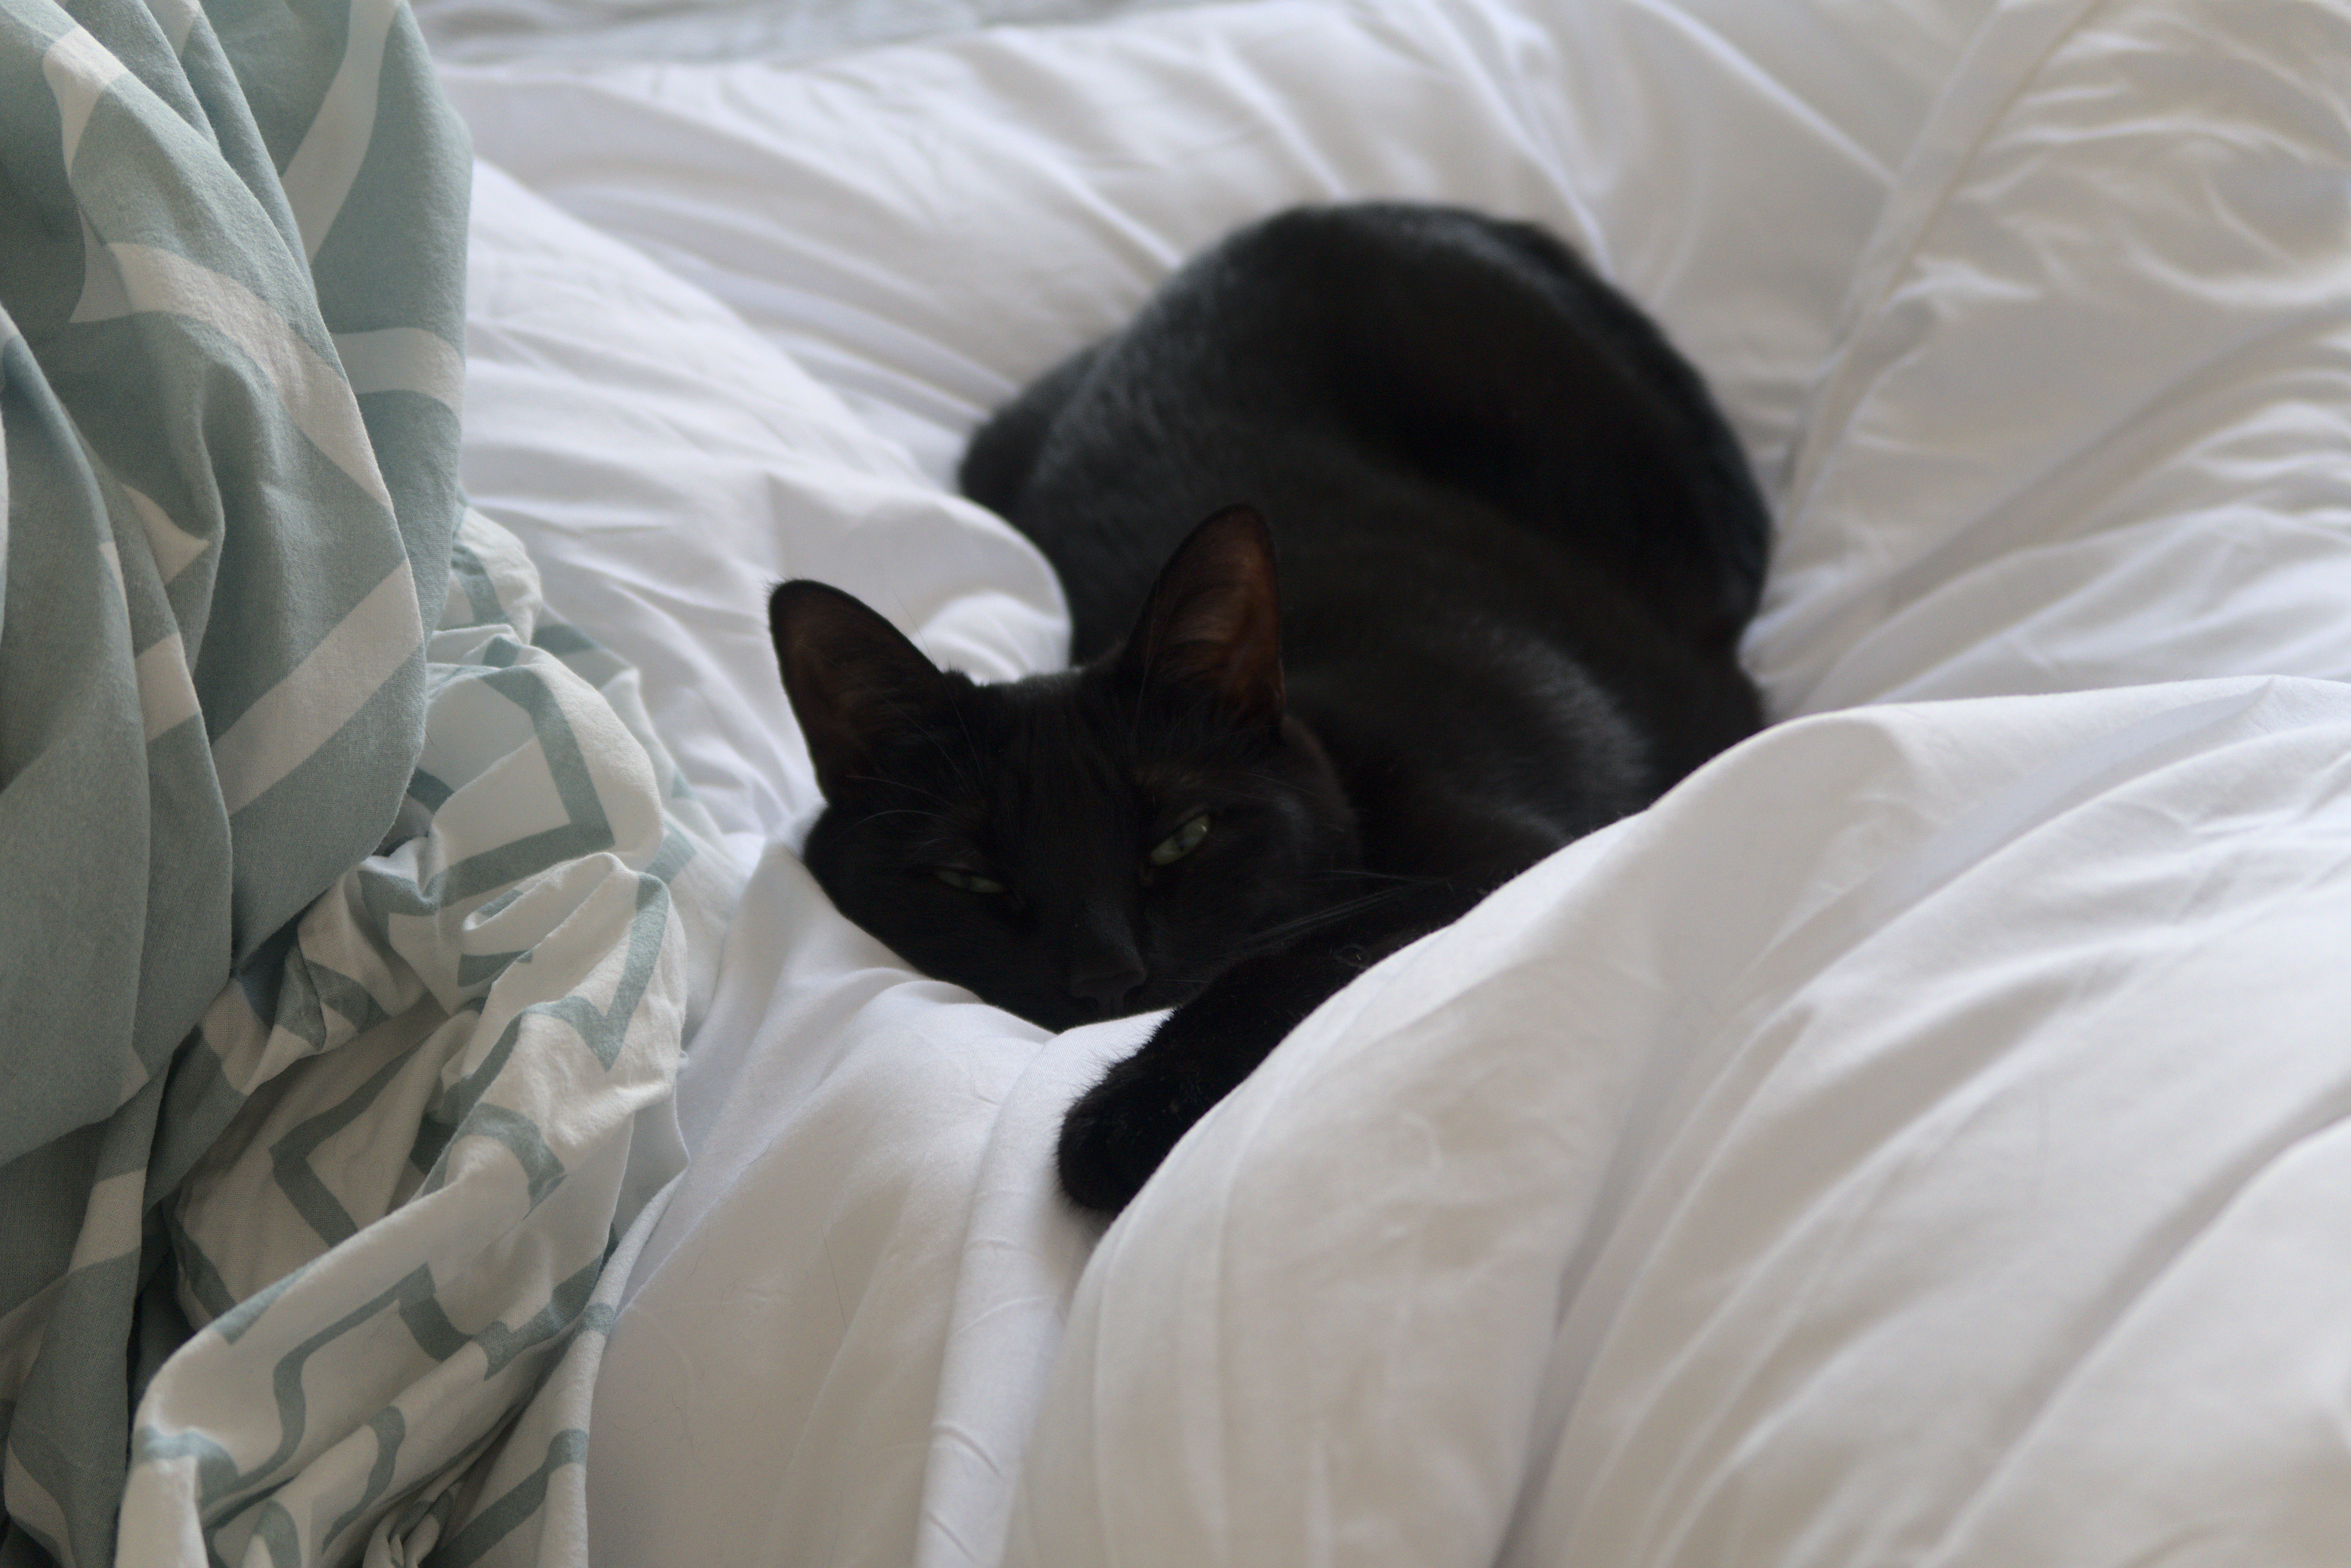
(1390, 379)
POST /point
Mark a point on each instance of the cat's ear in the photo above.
(1214, 618)
(854, 679)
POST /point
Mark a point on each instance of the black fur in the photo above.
(1516, 545)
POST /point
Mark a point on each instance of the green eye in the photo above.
(1180, 843)
(965, 881)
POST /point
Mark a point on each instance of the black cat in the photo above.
(1516, 545)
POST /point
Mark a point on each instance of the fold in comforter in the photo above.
(300, 1196)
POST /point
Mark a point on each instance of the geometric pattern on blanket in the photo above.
(230, 301)
(411, 1216)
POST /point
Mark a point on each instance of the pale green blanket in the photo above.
(343, 961)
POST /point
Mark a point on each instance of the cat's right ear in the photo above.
(1214, 618)
(854, 679)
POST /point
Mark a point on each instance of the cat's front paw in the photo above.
(1120, 1130)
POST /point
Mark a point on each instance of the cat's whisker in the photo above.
(943, 802)
(971, 748)
(905, 787)
(1282, 931)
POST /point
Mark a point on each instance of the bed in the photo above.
(445, 1124)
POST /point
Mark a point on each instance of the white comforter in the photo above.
(1919, 1139)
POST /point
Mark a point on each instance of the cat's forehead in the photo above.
(1066, 740)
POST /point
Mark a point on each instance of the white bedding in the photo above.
(1917, 1140)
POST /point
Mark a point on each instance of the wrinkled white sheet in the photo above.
(1910, 1142)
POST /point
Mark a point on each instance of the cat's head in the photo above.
(1083, 845)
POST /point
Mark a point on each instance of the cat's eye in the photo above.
(966, 881)
(1180, 843)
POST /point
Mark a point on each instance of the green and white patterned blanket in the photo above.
(350, 915)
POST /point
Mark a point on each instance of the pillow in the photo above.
(2081, 424)
(926, 227)
(2089, 421)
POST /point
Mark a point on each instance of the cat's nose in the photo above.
(1107, 987)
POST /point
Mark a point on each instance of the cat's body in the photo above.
(1515, 547)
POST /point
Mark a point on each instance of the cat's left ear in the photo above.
(1214, 618)
(856, 682)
